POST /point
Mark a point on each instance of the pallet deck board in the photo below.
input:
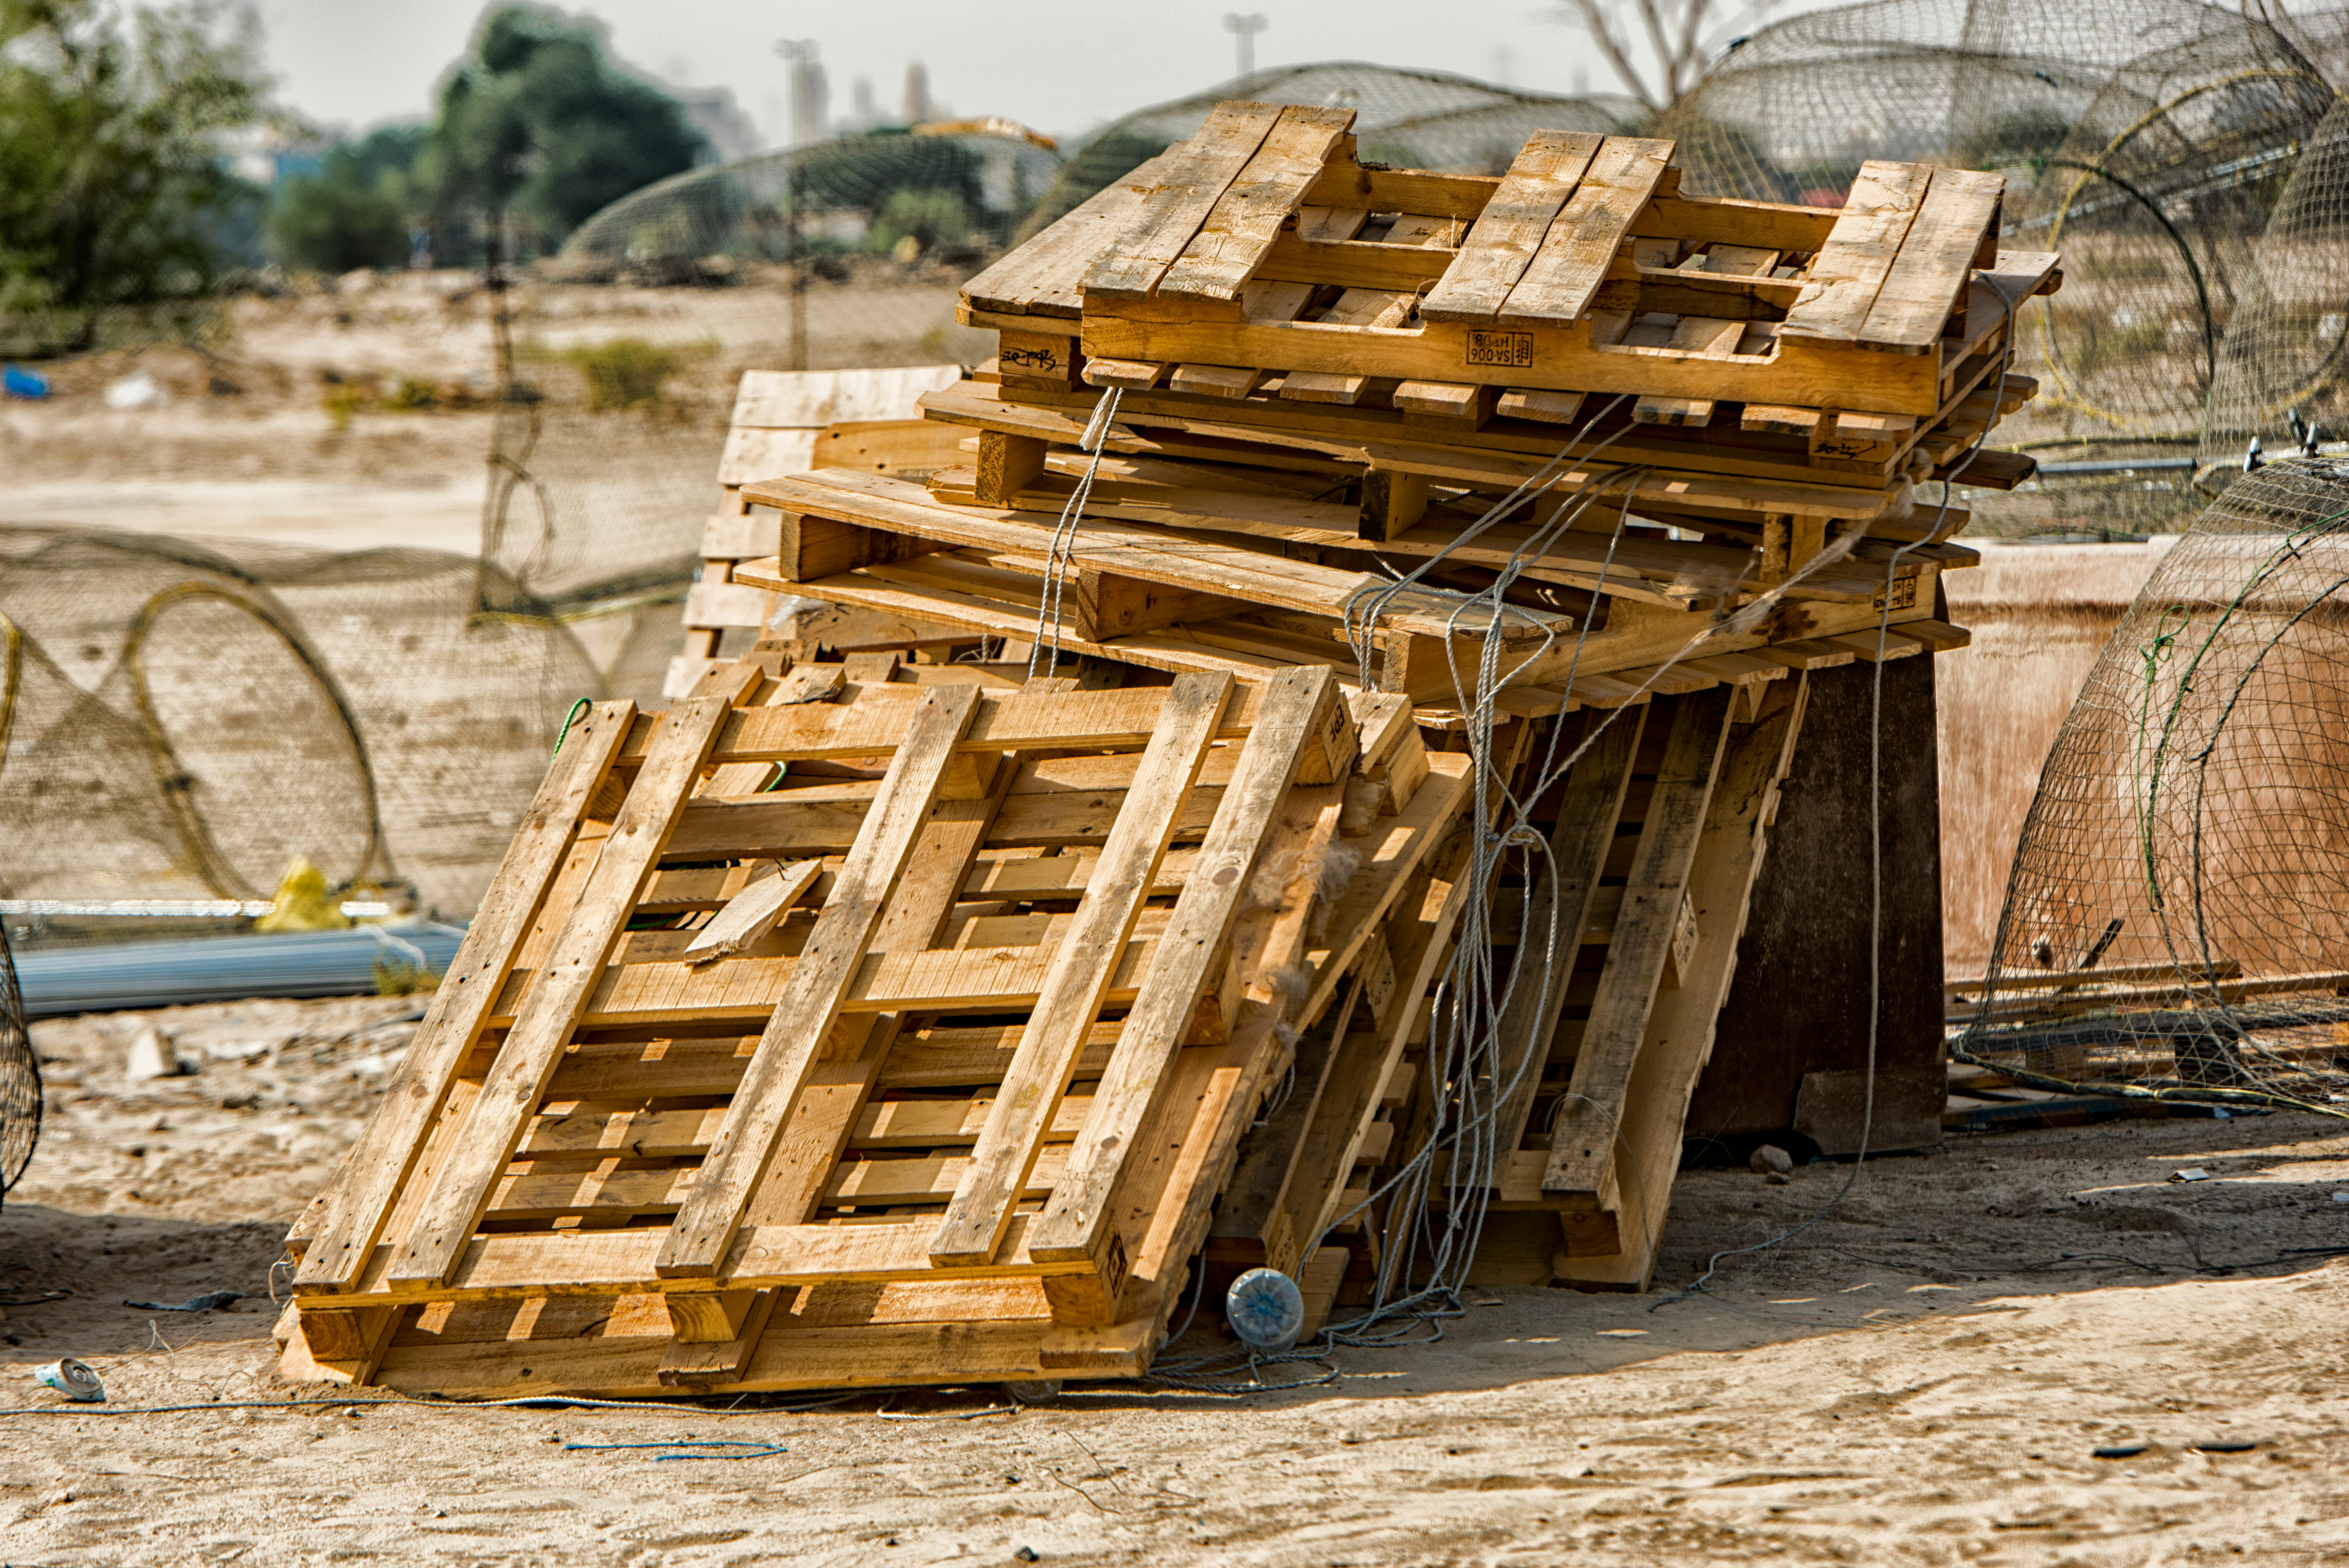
(640, 1141)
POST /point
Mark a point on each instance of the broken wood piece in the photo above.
(1007, 465)
(1216, 380)
(1133, 374)
(1467, 404)
(751, 914)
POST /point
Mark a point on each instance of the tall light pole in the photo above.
(807, 128)
(1245, 30)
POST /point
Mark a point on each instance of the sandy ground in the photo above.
(1922, 1377)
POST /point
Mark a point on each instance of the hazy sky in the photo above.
(1060, 65)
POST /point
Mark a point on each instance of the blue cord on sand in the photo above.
(763, 1450)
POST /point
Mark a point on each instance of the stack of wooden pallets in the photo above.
(1326, 371)
(821, 1033)
(883, 1012)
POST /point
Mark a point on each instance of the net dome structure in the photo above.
(846, 253)
(2174, 152)
(21, 1098)
(2175, 917)
(181, 718)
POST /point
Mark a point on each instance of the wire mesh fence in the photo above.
(2174, 920)
(182, 719)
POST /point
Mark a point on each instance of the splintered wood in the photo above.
(920, 1054)
(1326, 371)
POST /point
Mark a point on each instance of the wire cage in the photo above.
(2176, 919)
(2184, 159)
(20, 1078)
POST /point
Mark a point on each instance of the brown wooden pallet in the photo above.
(1262, 246)
(788, 422)
(955, 1097)
(1225, 597)
(1658, 837)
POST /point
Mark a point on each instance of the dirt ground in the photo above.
(1921, 1378)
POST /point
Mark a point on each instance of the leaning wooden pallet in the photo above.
(1657, 839)
(1314, 374)
(921, 1058)
(789, 421)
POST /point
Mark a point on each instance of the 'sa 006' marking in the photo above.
(1514, 350)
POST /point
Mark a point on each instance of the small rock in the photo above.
(2224, 1445)
(1771, 1160)
(1039, 1391)
(151, 1057)
(2129, 1450)
(135, 390)
(1350, 1436)
(1026, 1555)
(2191, 1174)
(1777, 1179)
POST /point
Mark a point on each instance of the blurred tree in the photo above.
(537, 130)
(113, 191)
(356, 211)
(1679, 35)
(930, 219)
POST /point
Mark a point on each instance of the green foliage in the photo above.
(2012, 138)
(929, 218)
(357, 209)
(334, 221)
(406, 395)
(537, 125)
(112, 192)
(398, 977)
(625, 372)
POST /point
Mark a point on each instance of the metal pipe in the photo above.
(227, 968)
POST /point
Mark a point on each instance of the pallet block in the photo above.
(820, 1032)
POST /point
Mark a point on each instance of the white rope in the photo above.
(1047, 646)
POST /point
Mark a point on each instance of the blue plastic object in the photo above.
(19, 382)
(1265, 1310)
(225, 968)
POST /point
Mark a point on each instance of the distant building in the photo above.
(268, 155)
(810, 94)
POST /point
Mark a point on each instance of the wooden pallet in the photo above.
(1262, 246)
(1226, 592)
(787, 422)
(1657, 840)
(925, 1063)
